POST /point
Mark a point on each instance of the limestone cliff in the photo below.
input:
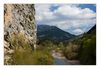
(18, 18)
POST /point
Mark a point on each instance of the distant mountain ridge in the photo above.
(92, 30)
(52, 33)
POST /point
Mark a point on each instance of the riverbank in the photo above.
(60, 59)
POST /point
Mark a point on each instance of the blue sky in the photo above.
(90, 6)
(73, 18)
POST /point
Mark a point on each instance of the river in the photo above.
(59, 59)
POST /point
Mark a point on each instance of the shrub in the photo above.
(42, 58)
(22, 50)
(71, 51)
(88, 52)
(18, 40)
(21, 57)
(24, 55)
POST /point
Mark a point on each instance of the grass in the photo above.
(42, 58)
(24, 55)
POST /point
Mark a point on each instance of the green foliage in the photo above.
(71, 51)
(83, 48)
(24, 55)
(88, 52)
(18, 40)
(42, 58)
(46, 45)
(61, 45)
(22, 50)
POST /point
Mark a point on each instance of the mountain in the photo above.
(92, 30)
(88, 47)
(52, 33)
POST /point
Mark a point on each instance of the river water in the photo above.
(59, 59)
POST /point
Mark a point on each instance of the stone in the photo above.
(18, 18)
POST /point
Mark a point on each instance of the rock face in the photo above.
(18, 18)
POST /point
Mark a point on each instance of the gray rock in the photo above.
(18, 18)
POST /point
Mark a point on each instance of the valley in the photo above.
(49, 34)
(69, 51)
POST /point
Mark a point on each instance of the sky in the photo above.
(73, 18)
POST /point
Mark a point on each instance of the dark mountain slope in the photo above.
(92, 30)
(52, 33)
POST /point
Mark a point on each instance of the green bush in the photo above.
(22, 50)
(88, 52)
(18, 40)
(42, 58)
(72, 56)
(46, 45)
(21, 57)
(71, 52)
(24, 55)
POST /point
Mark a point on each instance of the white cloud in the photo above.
(68, 10)
(43, 12)
(71, 18)
(78, 31)
(75, 12)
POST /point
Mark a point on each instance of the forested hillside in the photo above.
(83, 48)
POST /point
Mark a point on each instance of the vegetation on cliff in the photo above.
(24, 55)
